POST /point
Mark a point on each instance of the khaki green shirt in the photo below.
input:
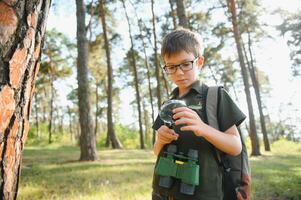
(228, 114)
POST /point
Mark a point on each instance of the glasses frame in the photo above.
(180, 66)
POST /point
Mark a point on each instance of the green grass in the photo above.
(277, 175)
(53, 172)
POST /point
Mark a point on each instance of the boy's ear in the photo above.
(201, 61)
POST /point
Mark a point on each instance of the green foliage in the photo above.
(129, 137)
(41, 138)
(291, 29)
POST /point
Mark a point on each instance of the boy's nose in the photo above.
(179, 71)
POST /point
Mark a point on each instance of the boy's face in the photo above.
(186, 76)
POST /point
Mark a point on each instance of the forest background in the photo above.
(269, 49)
(100, 86)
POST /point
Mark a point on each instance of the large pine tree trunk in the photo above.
(182, 14)
(253, 132)
(111, 132)
(22, 28)
(136, 81)
(87, 136)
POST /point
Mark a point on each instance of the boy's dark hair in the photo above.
(182, 39)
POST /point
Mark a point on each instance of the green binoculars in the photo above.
(173, 166)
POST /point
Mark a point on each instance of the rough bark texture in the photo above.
(87, 136)
(111, 133)
(253, 132)
(136, 81)
(22, 28)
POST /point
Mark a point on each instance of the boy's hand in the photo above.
(189, 118)
(166, 135)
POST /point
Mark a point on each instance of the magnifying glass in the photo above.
(166, 111)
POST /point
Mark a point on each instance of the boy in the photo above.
(182, 54)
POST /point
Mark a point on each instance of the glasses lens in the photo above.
(170, 69)
(187, 66)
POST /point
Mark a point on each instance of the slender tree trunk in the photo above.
(87, 137)
(182, 14)
(44, 106)
(253, 132)
(70, 123)
(156, 58)
(61, 127)
(213, 74)
(173, 14)
(37, 116)
(96, 109)
(136, 81)
(148, 79)
(252, 70)
(146, 120)
(77, 126)
(21, 31)
(51, 109)
(165, 84)
(112, 136)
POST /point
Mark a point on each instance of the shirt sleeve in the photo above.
(158, 123)
(228, 112)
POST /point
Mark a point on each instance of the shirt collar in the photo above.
(197, 86)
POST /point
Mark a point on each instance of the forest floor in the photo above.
(53, 172)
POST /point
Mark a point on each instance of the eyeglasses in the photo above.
(186, 66)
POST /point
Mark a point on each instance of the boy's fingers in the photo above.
(183, 114)
(187, 128)
(181, 109)
(170, 135)
(183, 121)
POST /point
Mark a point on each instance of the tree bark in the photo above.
(87, 137)
(96, 109)
(173, 14)
(182, 14)
(252, 70)
(70, 123)
(136, 81)
(156, 57)
(111, 132)
(253, 132)
(51, 109)
(148, 72)
(22, 28)
(37, 116)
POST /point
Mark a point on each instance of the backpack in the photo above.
(236, 170)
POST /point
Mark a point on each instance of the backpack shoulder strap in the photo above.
(211, 106)
(211, 111)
